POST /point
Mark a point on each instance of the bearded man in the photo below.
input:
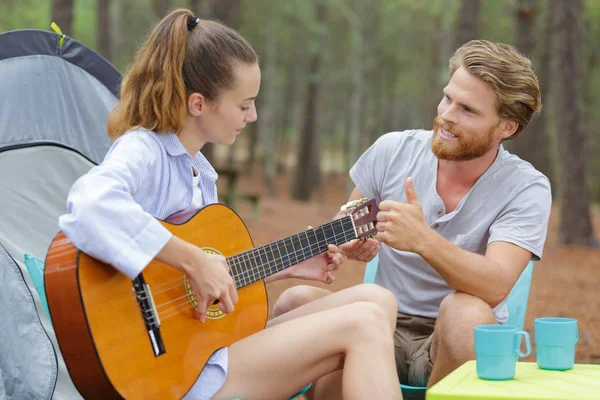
(460, 216)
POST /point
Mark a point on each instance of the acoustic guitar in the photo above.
(141, 339)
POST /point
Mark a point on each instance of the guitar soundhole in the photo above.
(213, 312)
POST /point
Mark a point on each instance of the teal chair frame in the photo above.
(516, 304)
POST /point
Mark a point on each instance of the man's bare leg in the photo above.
(453, 338)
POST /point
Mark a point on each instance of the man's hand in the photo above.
(360, 250)
(402, 226)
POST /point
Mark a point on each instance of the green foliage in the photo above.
(24, 14)
(84, 24)
(405, 49)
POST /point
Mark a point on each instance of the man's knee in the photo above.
(297, 296)
(459, 314)
(465, 308)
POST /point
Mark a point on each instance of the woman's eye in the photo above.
(245, 108)
(467, 109)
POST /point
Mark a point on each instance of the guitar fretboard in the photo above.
(261, 262)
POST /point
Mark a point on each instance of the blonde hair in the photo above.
(508, 72)
(174, 62)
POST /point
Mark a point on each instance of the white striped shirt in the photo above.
(112, 211)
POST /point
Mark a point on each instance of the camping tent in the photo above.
(55, 95)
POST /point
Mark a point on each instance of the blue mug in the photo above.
(555, 340)
(497, 348)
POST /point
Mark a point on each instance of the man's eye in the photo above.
(467, 109)
(245, 108)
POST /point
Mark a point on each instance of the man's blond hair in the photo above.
(508, 72)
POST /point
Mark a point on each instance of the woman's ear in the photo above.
(196, 103)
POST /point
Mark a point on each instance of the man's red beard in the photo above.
(465, 147)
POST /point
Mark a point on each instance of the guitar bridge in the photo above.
(145, 300)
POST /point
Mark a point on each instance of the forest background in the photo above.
(337, 74)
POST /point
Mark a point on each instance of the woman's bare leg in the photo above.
(304, 299)
(277, 362)
(313, 299)
(297, 296)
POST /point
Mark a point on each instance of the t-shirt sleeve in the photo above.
(524, 220)
(368, 173)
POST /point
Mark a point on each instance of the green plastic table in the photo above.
(530, 382)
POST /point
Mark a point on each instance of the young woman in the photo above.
(191, 83)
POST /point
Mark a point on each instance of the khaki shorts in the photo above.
(412, 342)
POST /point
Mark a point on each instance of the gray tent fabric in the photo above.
(37, 369)
(54, 103)
(58, 103)
(32, 42)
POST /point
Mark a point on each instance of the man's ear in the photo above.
(508, 127)
(196, 104)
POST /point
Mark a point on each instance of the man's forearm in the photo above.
(465, 271)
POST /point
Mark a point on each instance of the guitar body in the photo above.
(101, 329)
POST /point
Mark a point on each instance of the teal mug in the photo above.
(555, 340)
(497, 349)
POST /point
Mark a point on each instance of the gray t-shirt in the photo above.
(510, 202)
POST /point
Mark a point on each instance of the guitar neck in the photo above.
(261, 262)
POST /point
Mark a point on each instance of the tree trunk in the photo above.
(467, 23)
(290, 93)
(533, 144)
(103, 28)
(357, 82)
(267, 123)
(62, 14)
(307, 163)
(575, 222)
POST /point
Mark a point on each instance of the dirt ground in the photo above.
(566, 283)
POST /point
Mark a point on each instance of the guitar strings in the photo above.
(177, 285)
(167, 282)
(162, 318)
(236, 264)
(248, 272)
(270, 264)
(164, 315)
(274, 262)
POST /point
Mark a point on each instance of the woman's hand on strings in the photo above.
(211, 280)
(208, 274)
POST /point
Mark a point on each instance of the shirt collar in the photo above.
(172, 144)
(204, 166)
(175, 148)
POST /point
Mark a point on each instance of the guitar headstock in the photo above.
(364, 213)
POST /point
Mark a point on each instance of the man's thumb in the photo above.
(411, 193)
